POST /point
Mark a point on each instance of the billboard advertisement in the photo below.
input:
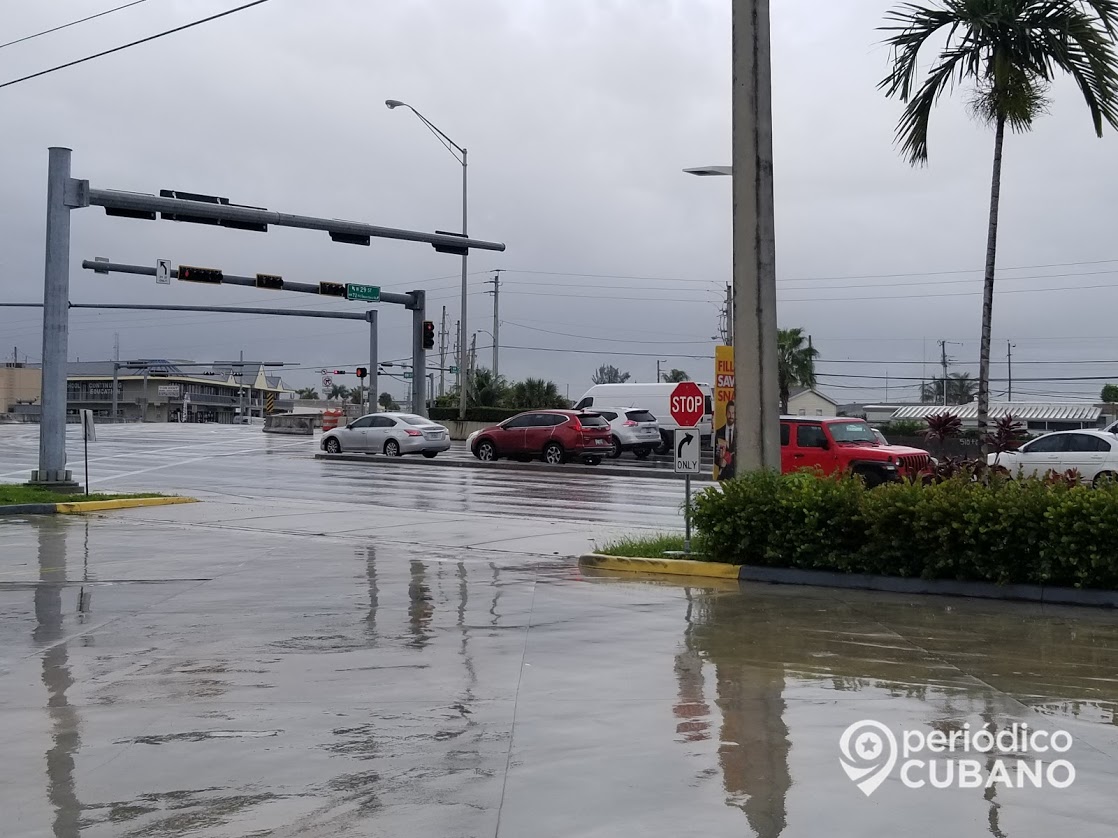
(724, 412)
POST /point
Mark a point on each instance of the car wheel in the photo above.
(430, 455)
(593, 461)
(553, 453)
(615, 452)
(486, 451)
(642, 453)
(1105, 478)
(332, 446)
(392, 448)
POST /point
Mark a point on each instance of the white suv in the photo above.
(633, 429)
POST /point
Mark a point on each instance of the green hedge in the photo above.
(473, 414)
(1010, 531)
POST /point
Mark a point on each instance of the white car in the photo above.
(391, 434)
(632, 428)
(1094, 454)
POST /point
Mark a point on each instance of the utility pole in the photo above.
(943, 363)
(729, 315)
(1009, 360)
(496, 292)
(458, 354)
(756, 369)
(473, 356)
(442, 354)
(116, 368)
(658, 371)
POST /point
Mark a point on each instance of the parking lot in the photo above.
(323, 649)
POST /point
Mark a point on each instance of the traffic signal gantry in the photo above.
(65, 193)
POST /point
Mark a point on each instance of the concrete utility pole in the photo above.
(116, 369)
(729, 315)
(659, 377)
(418, 354)
(496, 292)
(757, 394)
(458, 353)
(943, 363)
(442, 355)
(1009, 360)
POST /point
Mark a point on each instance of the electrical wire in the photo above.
(133, 43)
(71, 23)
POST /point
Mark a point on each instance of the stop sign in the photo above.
(687, 404)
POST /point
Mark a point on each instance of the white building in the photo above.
(806, 401)
(1036, 416)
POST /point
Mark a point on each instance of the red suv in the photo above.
(553, 435)
(838, 444)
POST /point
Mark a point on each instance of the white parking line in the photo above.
(194, 460)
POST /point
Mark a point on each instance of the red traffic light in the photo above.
(339, 372)
(361, 372)
(428, 334)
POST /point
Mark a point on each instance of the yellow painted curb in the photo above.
(121, 503)
(672, 567)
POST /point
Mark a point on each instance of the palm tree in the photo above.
(1010, 51)
(536, 394)
(307, 393)
(961, 389)
(338, 391)
(675, 376)
(486, 389)
(796, 363)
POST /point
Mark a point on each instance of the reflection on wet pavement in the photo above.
(158, 680)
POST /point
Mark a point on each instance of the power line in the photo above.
(605, 340)
(71, 23)
(999, 280)
(945, 273)
(946, 294)
(134, 43)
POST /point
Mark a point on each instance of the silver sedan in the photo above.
(391, 434)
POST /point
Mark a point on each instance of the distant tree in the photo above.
(535, 394)
(795, 363)
(675, 376)
(307, 393)
(609, 374)
(961, 389)
(487, 390)
(1110, 393)
(357, 395)
(338, 391)
(386, 402)
(1009, 52)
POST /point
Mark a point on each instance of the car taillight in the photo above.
(413, 432)
(629, 423)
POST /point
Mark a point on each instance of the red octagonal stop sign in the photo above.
(687, 404)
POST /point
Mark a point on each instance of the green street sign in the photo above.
(454, 370)
(367, 293)
(408, 374)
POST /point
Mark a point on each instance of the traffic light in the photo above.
(362, 372)
(428, 334)
(332, 289)
(269, 281)
(189, 274)
(339, 372)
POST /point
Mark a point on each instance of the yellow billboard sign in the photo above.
(724, 412)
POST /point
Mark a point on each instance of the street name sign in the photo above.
(366, 293)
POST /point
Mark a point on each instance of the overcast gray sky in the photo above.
(579, 116)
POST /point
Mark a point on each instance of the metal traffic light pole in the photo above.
(65, 193)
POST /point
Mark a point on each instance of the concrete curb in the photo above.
(539, 468)
(856, 581)
(78, 507)
(672, 567)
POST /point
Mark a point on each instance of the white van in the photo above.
(653, 398)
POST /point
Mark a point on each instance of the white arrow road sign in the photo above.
(686, 445)
(163, 271)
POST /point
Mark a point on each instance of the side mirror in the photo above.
(823, 443)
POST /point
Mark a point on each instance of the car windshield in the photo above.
(640, 416)
(593, 420)
(851, 432)
(412, 419)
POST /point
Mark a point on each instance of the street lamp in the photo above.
(459, 154)
(710, 171)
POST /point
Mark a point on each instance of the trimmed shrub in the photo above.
(473, 414)
(1001, 530)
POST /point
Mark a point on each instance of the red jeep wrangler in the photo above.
(836, 444)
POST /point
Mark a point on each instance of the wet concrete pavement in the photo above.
(349, 665)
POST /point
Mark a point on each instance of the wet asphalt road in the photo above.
(321, 650)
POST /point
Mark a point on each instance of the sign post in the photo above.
(687, 406)
(89, 433)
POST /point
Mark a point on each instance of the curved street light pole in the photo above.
(452, 147)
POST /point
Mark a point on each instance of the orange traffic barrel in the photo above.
(331, 418)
